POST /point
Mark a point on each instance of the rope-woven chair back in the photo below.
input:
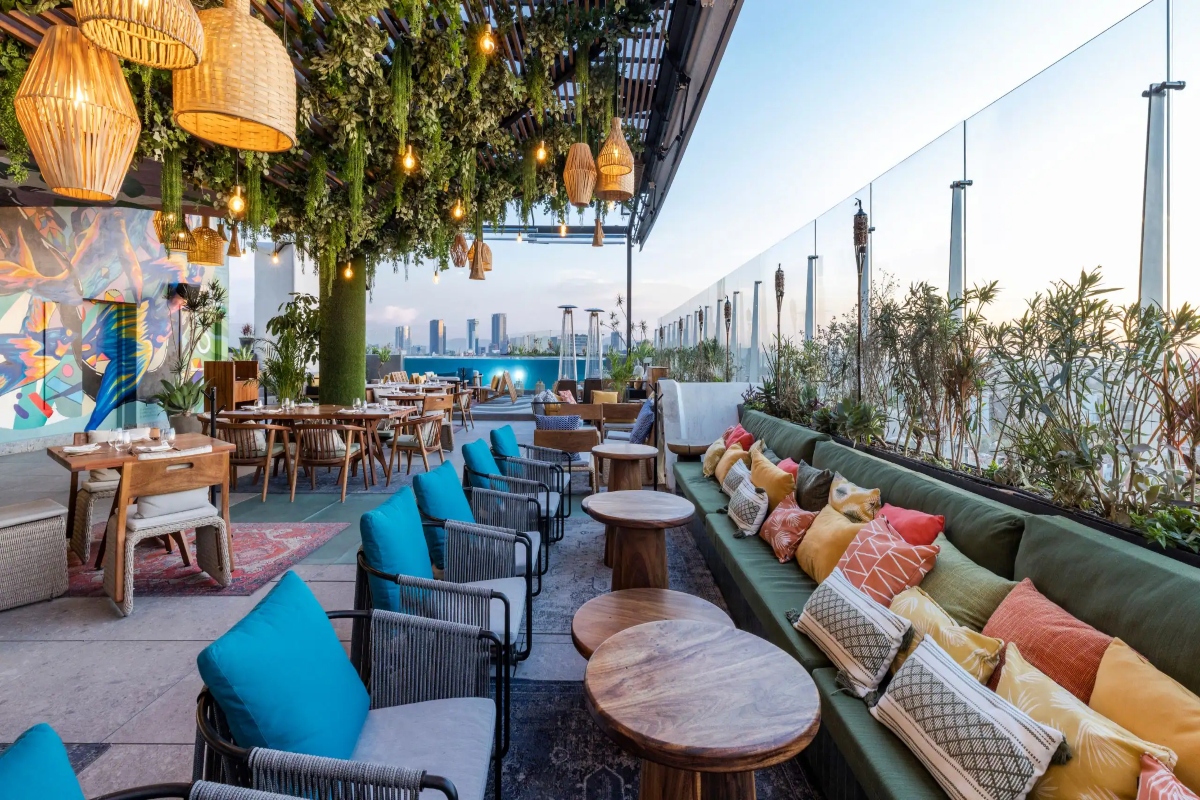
(403, 647)
(319, 778)
(431, 432)
(250, 443)
(324, 443)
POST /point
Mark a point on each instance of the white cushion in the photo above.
(748, 509)
(31, 511)
(548, 507)
(535, 546)
(160, 504)
(616, 435)
(99, 486)
(738, 473)
(104, 475)
(514, 590)
(180, 518)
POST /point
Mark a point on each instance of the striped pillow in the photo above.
(747, 508)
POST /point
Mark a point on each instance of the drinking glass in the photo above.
(122, 441)
(169, 436)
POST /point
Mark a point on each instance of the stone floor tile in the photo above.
(552, 661)
(125, 766)
(97, 619)
(171, 719)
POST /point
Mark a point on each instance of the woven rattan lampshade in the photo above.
(459, 253)
(176, 237)
(164, 34)
(615, 157)
(580, 174)
(76, 111)
(208, 248)
(615, 188)
(598, 234)
(477, 270)
(242, 94)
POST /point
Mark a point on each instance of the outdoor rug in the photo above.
(558, 753)
(329, 481)
(261, 552)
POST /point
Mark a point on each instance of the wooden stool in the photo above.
(639, 521)
(609, 614)
(624, 475)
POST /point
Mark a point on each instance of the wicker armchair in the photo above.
(571, 449)
(200, 790)
(328, 445)
(550, 502)
(548, 471)
(404, 661)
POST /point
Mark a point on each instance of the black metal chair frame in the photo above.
(547, 523)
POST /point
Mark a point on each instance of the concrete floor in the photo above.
(131, 683)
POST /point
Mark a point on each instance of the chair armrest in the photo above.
(514, 512)
(320, 778)
(438, 600)
(205, 790)
(549, 454)
(544, 472)
(481, 552)
(521, 486)
(414, 659)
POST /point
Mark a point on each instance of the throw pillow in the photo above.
(826, 540)
(789, 466)
(1105, 758)
(812, 487)
(735, 477)
(881, 564)
(711, 458)
(36, 765)
(604, 397)
(739, 435)
(566, 422)
(974, 652)
(976, 745)
(731, 456)
(765, 475)
(747, 508)
(860, 636)
(1067, 649)
(854, 502)
(916, 527)
(1150, 704)
(393, 542)
(1158, 783)
(504, 442)
(567, 396)
(785, 527)
(171, 503)
(284, 680)
(643, 424)
(968, 592)
(104, 475)
(478, 458)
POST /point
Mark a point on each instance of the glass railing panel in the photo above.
(837, 270)
(1185, 158)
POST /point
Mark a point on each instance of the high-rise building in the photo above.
(403, 338)
(500, 332)
(615, 342)
(472, 338)
(437, 336)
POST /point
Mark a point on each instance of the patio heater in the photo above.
(566, 346)
(862, 230)
(734, 338)
(593, 360)
(728, 323)
(679, 338)
(700, 337)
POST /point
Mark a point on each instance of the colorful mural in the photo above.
(86, 324)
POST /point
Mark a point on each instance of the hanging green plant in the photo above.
(256, 211)
(315, 192)
(401, 88)
(171, 189)
(412, 12)
(582, 81)
(477, 60)
(356, 156)
(528, 184)
(468, 177)
(537, 86)
(13, 64)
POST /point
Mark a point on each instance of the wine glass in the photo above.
(169, 436)
(122, 441)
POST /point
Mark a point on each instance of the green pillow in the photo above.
(964, 590)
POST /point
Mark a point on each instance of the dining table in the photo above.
(368, 417)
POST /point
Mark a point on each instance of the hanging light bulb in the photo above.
(520, 238)
(487, 43)
(541, 152)
(237, 203)
(348, 272)
(458, 210)
(410, 160)
(437, 277)
(562, 229)
(275, 257)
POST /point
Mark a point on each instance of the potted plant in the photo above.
(283, 369)
(247, 338)
(200, 310)
(179, 399)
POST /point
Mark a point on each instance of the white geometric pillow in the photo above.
(733, 479)
(976, 744)
(748, 508)
(860, 636)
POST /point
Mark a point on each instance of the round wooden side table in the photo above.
(689, 448)
(624, 475)
(703, 705)
(639, 520)
(609, 614)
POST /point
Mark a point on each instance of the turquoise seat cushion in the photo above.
(393, 541)
(987, 532)
(479, 459)
(283, 679)
(504, 442)
(705, 493)
(440, 495)
(36, 765)
(787, 439)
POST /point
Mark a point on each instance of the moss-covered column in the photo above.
(343, 355)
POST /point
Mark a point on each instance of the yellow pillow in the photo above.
(765, 475)
(725, 463)
(1105, 760)
(1151, 704)
(856, 503)
(826, 540)
(974, 652)
(604, 397)
(711, 456)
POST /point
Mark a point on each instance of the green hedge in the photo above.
(343, 354)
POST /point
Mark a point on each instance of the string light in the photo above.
(237, 203)
(458, 211)
(541, 152)
(562, 229)
(275, 257)
(348, 272)
(410, 160)
(437, 277)
(487, 44)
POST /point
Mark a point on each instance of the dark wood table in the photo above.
(602, 617)
(689, 448)
(624, 475)
(702, 704)
(639, 521)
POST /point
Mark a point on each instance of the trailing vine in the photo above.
(13, 65)
(401, 89)
(355, 166)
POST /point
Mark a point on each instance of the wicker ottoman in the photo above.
(33, 552)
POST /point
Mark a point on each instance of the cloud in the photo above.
(395, 315)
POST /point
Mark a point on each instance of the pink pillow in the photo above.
(567, 396)
(785, 528)
(881, 564)
(916, 527)
(1158, 783)
(741, 436)
(789, 466)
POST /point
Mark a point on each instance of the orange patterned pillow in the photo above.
(881, 564)
(786, 526)
(1158, 783)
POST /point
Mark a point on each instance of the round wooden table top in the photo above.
(701, 696)
(609, 614)
(638, 509)
(689, 448)
(624, 451)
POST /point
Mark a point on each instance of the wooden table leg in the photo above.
(639, 559)
(225, 516)
(610, 536)
(71, 504)
(667, 783)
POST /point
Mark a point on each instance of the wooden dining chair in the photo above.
(259, 445)
(421, 435)
(463, 398)
(328, 445)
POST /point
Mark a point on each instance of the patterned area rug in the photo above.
(558, 753)
(330, 482)
(81, 756)
(261, 552)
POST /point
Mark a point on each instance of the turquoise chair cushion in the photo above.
(478, 458)
(284, 680)
(393, 541)
(440, 495)
(36, 765)
(504, 442)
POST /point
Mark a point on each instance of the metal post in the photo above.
(958, 240)
(810, 300)
(629, 284)
(754, 334)
(1154, 282)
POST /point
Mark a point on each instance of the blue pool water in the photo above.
(524, 369)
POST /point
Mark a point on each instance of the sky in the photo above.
(813, 99)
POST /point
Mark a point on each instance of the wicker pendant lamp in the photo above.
(76, 111)
(242, 94)
(174, 236)
(477, 270)
(615, 188)
(208, 247)
(580, 174)
(164, 34)
(615, 156)
(459, 251)
(235, 244)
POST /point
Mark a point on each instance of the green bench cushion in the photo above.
(769, 587)
(989, 533)
(885, 768)
(1148, 600)
(705, 493)
(787, 439)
